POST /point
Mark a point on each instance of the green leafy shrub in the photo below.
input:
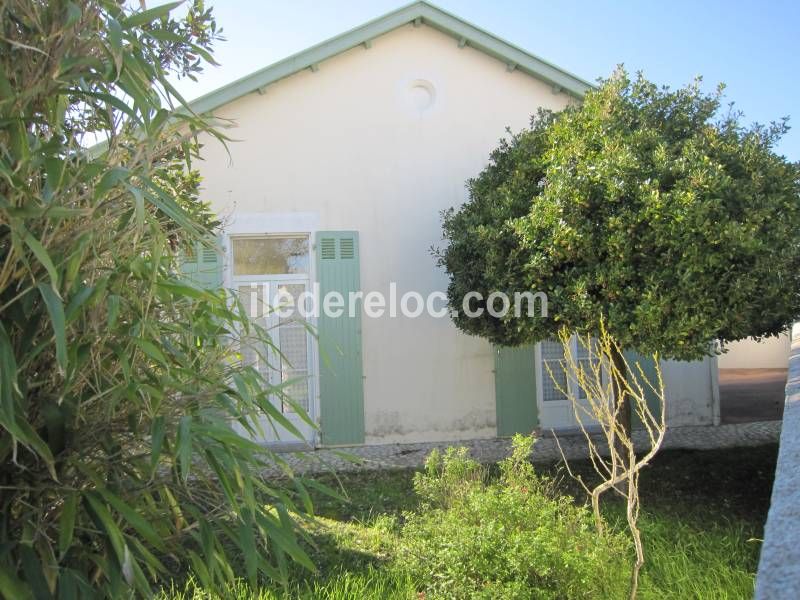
(118, 380)
(448, 477)
(513, 538)
(653, 210)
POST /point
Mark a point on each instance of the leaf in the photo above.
(66, 523)
(165, 35)
(6, 91)
(8, 382)
(151, 350)
(200, 569)
(54, 168)
(22, 431)
(172, 209)
(113, 101)
(138, 198)
(61, 212)
(180, 288)
(247, 544)
(156, 440)
(77, 300)
(115, 42)
(113, 302)
(67, 585)
(133, 518)
(73, 14)
(205, 54)
(44, 258)
(32, 568)
(55, 308)
(109, 179)
(106, 521)
(154, 565)
(129, 85)
(148, 16)
(18, 137)
(11, 587)
(128, 571)
(325, 489)
(184, 443)
(284, 539)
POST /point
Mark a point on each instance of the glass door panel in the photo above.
(271, 274)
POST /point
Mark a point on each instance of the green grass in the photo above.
(343, 585)
(702, 520)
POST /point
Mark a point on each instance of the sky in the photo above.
(752, 47)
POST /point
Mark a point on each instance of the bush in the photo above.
(447, 478)
(513, 538)
(654, 210)
(118, 383)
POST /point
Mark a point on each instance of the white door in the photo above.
(271, 275)
(556, 410)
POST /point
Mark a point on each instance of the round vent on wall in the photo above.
(420, 95)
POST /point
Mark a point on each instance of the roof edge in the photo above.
(419, 12)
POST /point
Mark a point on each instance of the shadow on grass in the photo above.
(733, 483)
(703, 515)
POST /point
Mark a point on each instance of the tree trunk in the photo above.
(619, 376)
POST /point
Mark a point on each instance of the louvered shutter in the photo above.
(515, 390)
(649, 369)
(341, 385)
(203, 265)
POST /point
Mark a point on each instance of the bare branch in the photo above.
(616, 464)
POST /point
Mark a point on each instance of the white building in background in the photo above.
(771, 353)
(343, 157)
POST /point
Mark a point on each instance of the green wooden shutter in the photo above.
(340, 380)
(515, 390)
(203, 265)
(649, 368)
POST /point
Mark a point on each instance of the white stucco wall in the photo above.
(349, 144)
(771, 353)
(692, 392)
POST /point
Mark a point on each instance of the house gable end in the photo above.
(417, 13)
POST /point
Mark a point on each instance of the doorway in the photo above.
(556, 391)
(271, 275)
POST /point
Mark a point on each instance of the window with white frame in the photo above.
(554, 377)
(265, 268)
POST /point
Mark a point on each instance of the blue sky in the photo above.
(753, 47)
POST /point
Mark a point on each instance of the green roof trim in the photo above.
(418, 12)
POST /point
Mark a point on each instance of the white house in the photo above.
(771, 353)
(344, 156)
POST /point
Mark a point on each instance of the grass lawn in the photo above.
(702, 521)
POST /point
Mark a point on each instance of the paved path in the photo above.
(403, 456)
(747, 395)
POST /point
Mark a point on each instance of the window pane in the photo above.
(585, 365)
(287, 303)
(552, 350)
(294, 347)
(550, 391)
(255, 302)
(270, 255)
(293, 343)
(587, 358)
(297, 389)
(552, 357)
(253, 351)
